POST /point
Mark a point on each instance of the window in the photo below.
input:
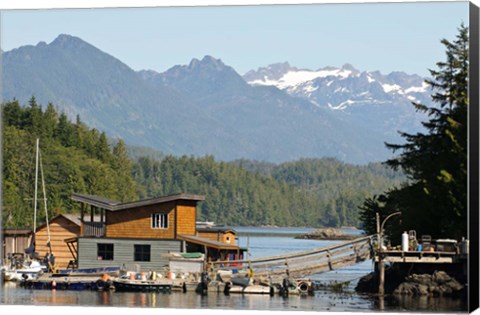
(142, 253)
(105, 251)
(159, 220)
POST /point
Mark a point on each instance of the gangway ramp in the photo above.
(301, 264)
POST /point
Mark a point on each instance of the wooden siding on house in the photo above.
(15, 241)
(60, 230)
(186, 217)
(137, 223)
(123, 253)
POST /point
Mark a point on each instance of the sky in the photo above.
(370, 36)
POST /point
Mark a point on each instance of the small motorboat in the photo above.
(243, 281)
(140, 282)
(28, 271)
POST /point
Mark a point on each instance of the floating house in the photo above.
(141, 233)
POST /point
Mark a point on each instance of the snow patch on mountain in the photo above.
(295, 78)
(341, 88)
(418, 89)
(391, 88)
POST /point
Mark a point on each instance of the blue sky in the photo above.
(371, 36)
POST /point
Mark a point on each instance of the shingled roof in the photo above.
(111, 205)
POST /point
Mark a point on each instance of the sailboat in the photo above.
(33, 267)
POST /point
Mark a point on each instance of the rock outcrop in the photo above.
(438, 284)
(327, 234)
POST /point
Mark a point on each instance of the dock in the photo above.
(420, 257)
(49, 282)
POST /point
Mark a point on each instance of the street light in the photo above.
(381, 281)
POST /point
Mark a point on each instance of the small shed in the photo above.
(61, 228)
(219, 234)
(15, 240)
(212, 249)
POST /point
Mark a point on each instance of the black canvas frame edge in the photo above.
(473, 162)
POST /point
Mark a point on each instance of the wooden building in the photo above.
(60, 228)
(15, 241)
(219, 234)
(141, 232)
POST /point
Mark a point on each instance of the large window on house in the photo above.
(142, 253)
(159, 220)
(105, 251)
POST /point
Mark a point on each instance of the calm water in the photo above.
(260, 244)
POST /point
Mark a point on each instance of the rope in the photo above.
(45, 202)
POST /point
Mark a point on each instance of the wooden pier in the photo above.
(419, 257)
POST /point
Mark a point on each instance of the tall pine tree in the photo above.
(435, 199)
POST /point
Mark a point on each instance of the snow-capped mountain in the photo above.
(277, 113)
(342, 88)
(379, 103)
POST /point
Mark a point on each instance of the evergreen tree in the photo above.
(49, 121)
(435, 199)
(34, 117)
(64, 131)
(102, 149)
(122, 165)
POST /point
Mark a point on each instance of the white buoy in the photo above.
(405, 242)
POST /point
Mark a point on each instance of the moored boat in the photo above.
(128, 285)
(28, 271)
(243, 281)
(113, 271)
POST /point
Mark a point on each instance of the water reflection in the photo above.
(259, 246)
(431, 304)
(321, 301)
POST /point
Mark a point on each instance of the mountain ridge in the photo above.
(205, 107)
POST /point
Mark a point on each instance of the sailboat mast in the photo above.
(36, 190)
(45, 203)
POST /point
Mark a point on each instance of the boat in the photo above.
(252, 289)
(243, 281)
(113, 271)
(129, 285)
(29, 270)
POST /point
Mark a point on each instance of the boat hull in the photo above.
(122, 285)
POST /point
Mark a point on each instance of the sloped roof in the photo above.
(206, 242)
(215, 230)
(16, 231)
(116, 206)
(74, 218)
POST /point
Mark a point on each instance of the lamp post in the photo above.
(381, 267)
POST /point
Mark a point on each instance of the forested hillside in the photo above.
(75, 159)
(313, 192)
(308, 192)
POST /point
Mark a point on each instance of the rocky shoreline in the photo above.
(438, 283)
(327, 234)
